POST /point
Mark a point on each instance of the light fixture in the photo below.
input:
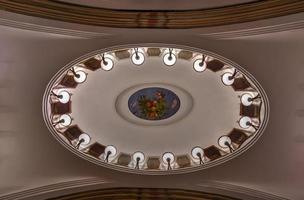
(110, 152)
(200, 65)
(79, 76)
(247, 99)
(138, 58)
(225, 142)
(63, 96)
(228, 78)
(197, 153)
(138, 157)
(64, 120)
(169, 58)
(168, 158)
(246, 122)
(106, 63)
(83, 139)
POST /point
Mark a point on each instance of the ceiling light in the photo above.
(83, 139)
(79, 76)
(200, 65)
(63, 96)
(228, 78)
(197, 153)
(64, 120)
(169, 58)
(138, 157)
(106, 63)
(225, 142)
(110, 152)
(245, 122)
(138, 58)
(168, 159)
(246, 99)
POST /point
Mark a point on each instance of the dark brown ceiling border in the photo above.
(143, 194)
(154, 19)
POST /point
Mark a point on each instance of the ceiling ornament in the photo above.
(154, 103)
(247, 12)
(150, 120)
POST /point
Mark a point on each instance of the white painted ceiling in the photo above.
(157, 4)
(202, 125)
(30, 157)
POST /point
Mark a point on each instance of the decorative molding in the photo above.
(246, 12)
(139, 193)
(77, 185)
(241, 190)
(255, 31)
(51, 30)
(215, 34)
(52, 188)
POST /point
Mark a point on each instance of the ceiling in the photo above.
(161, 19)
(35, 166)
(157, 4)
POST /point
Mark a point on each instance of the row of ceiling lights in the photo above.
(138, 58)
(169, 59)
(138, 157)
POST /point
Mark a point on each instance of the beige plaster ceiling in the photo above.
(31, 158)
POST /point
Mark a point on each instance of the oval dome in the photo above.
(155, 108)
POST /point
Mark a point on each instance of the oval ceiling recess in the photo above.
(155, 108)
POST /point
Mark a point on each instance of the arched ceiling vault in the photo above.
(157, 4)
(170, 19)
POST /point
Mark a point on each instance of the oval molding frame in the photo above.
(160, 172)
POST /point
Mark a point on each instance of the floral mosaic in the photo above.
(154, 103)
